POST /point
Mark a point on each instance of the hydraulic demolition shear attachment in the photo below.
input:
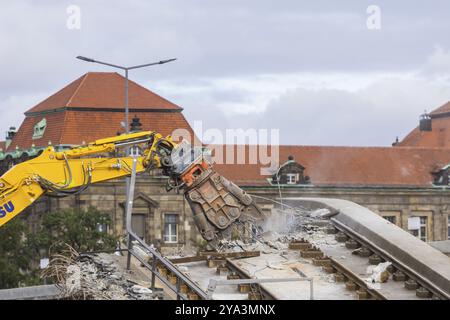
(217, 204)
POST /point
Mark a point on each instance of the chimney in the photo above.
(425, 122)
(9, 136)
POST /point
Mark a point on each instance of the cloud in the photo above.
(437, 64)
(321, 108)
(374, 115)
(9, 113)
(238, 61)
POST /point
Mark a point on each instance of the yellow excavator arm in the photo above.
(216, 202)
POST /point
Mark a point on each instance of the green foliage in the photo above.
(20, 250)
(15, 255)
(77, 228)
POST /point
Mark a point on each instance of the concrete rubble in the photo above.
(94, 277)
(278, 257)
(100, 277)
(378, 273)
(281, 256)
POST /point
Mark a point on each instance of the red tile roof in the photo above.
(103, 90)
(74, 127)
(442, 109)
(92, 107)
(438, 137)
(349, 166)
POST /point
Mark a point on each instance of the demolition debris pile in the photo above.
(92, 277)
(282, 227)
(295, 220)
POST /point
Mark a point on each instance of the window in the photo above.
(393, 216)
(291, 178)
(170, 228)
(421, 231)
(448, 227)
(39, 128)
(391, 219)
(442, 177)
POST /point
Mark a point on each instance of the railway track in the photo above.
(255, 291)
(405, 276)
(416, 270)
(403, 284)
(342, 273)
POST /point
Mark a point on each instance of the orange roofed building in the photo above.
(350, 167)
(92, 107)
(399, 183)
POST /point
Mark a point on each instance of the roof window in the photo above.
(39, 129)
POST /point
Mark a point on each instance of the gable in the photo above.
(142, 200)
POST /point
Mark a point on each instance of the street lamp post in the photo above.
(127, 180)
(126, 69)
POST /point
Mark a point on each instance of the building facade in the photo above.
(398, 183)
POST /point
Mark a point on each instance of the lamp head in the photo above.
(85, 59)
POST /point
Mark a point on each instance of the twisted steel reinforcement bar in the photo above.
(419, 261)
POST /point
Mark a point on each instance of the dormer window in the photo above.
(291, 178)
(39, 129)
(290, 173)
(425, 123)
(442, 176)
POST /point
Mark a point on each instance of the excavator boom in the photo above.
(216, 202)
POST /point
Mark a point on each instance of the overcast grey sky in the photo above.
(313, 69)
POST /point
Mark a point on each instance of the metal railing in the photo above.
(157, 258)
